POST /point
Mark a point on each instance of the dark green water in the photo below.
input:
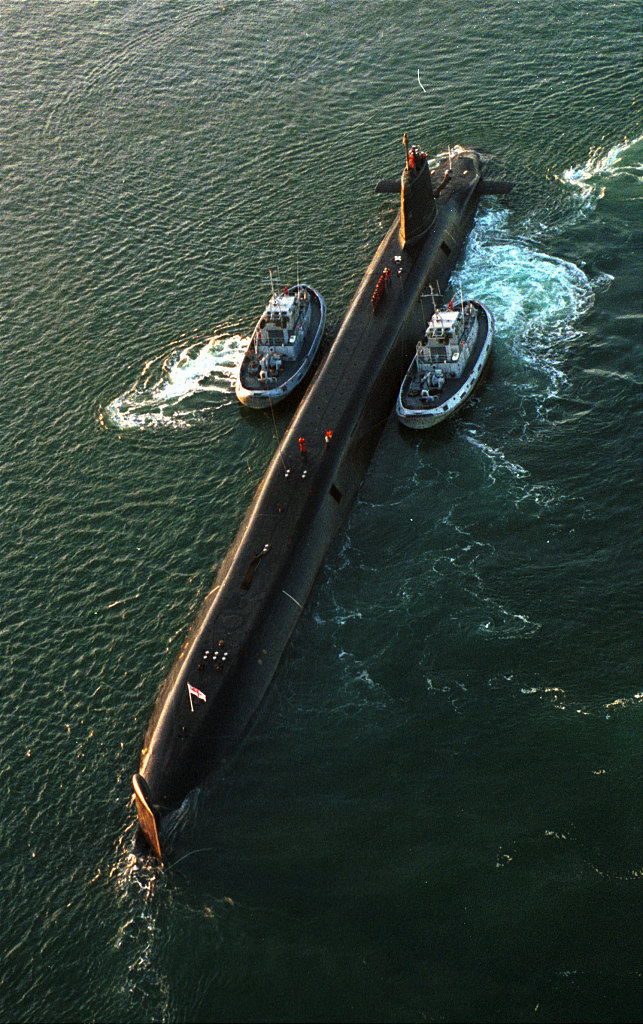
(437, 817)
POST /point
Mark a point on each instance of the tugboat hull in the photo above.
(255, 395)
(419, 415)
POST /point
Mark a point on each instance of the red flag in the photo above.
(196, 693)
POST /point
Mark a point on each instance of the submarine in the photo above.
(224, 668)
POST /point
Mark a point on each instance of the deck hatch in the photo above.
(247, 579)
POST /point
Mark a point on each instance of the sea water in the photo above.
(437, 815)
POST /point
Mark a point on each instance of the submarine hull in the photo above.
(227, 663)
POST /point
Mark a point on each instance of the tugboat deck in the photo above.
(447, 397)
(259, 389)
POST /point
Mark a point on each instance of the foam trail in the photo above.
(621, 161)
(529, 290)
(536, 298)
(177, 390)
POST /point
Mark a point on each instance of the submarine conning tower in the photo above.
(417, 208)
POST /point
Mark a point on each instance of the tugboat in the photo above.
(282, 347)
(449, 362)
